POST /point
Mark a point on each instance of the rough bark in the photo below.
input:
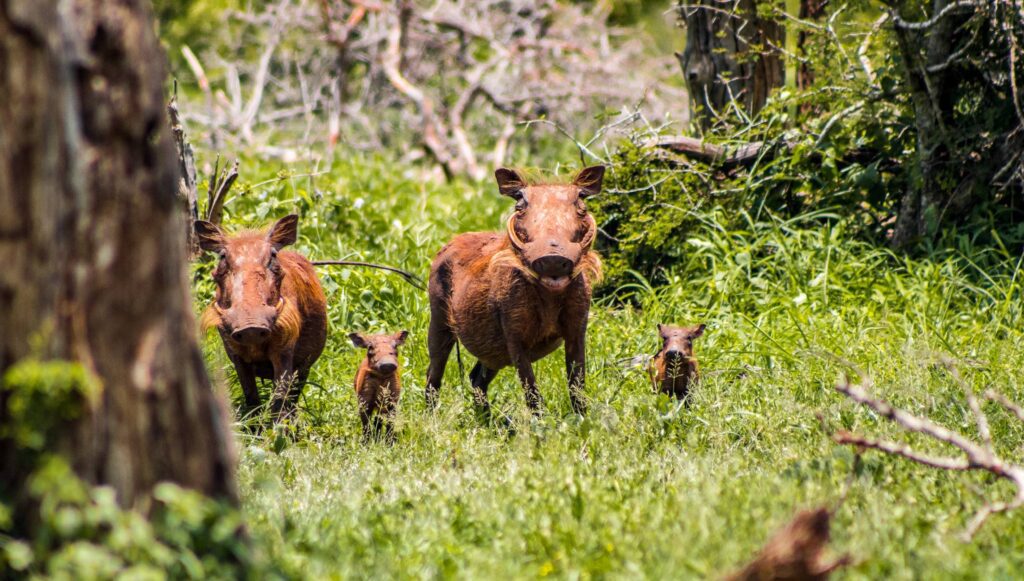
(929, 197)
(188, 193)
(810, 10)
(92, 249)
(732, 54)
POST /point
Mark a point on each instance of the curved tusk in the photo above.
(218, 308)
(588, 238)
(512, 236)
(280, 304)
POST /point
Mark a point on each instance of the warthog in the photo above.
(269, 309)
(513, 297)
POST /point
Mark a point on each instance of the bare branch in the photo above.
(977, 457)
(408, 276)
(949, 9)
(1004, 401)
(896, 449)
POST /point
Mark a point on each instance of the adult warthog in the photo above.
(513, 297)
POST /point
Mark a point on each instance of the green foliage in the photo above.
(192, 23)
(642, 487)
(42, 396)
(66, 529)
(82, 533)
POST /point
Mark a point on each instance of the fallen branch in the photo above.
(712, 154)
(795, 552)
(726, 157)
(408, 276)
(976, 456)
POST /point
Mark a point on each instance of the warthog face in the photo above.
(248, 276)
(381, 350)
(551, 230)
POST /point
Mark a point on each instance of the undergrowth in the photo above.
(642, 486)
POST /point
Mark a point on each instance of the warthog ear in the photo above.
(661, 329)
(589, 180)
(211, 237)
(400, 338)
(697, 330)
(510, 183)
(284, 232)
(358, 340)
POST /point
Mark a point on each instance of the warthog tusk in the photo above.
(512, 236)
(280, 304)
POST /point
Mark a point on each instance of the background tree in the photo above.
(93, 253)
(732, 55)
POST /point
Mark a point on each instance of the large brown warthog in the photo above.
(269, 308)
(513, 297)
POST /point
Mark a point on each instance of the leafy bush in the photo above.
(66, 529)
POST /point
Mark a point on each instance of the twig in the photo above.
(408, 276)
(862, 50)
(977, 457)
(949, 9)
(1004, 401)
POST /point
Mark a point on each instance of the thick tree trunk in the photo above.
(732, 54)
(92, 248)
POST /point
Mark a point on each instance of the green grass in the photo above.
(640, 488)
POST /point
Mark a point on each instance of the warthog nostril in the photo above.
(387, 367)
(250, 334)
(553, 266)
(673, 353)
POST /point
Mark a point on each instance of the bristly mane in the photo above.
(537, 177)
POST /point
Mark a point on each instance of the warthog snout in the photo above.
(251, 335)
(553, 266)
(387, 366)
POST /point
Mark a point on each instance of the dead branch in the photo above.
(795, 552)
(391, 62)
(187, 191)
(948, 10)
(976, 457)
(712, 154)
(408, 276)
(217, 190)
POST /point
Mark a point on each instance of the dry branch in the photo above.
(711, 154)
(187, 191)
(408, 276)
(976, 456)
(217, 192)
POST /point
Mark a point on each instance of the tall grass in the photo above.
(642, 486)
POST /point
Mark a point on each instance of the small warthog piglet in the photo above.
(675, 368)
(378, 385)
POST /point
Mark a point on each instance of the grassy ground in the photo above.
(640, 487)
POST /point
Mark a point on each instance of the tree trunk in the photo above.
(811, 11)
(732, 54)
(927, 198)
(92, 248)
